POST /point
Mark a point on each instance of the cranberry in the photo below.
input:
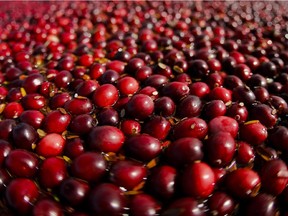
(189, 106)
(140, 106)
(198, 68)
(63, 79)
(127, 174)
(198, 180)
(261, 94)
(32, 117)
(156, 80)
(51, 145)
(20, 194)
(232, 81)
(278, 137)
(242, 71)
(6, 127)
(12, 110)
(107, 199)
(144, 204)
(221, 203)
(157, 127)
(253, 132)
(175, 90)
(81, 124)
(214, 108)
(5, 178)
(199, 89)
(105, 95)
(142, 147)
(221, 93)
(214, 80)
(265, 114)
(87, 88)
(143, 73)
(109, 77)
(237, 111)
(78, 106)
(47, 206)
(247, 181)
(32, 83)
(243, 94)
(245, 153)
(24, 136)
(190, 127)
(33, 101)
(58, 118)
(59, 100)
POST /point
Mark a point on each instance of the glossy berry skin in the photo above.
(106, 138)
(175, 90)
(223, 124)
(221, 93)
(78, 106)
(74, 191)
(127, 85)
(253, 132)
(12, 110)
(82, 124)
(200, 89)
(189, 106)
(162, 182)
(20, 194)
(190, 127)
(140, 106)
(198, 180)
(32, 117)
(186, 206)
(220, 148)
(247, 181)
(130, 127)
(245, 153)
(24, 136)
(184, 151)
(142, 147)
(52, 172)
(51, 145)
(21, 163)
(105, 95)
(47, 207)
(89, 166)
(108, 116)
(274, 176)
(237, 111)
(265, 114)
(278, 137)
(5, 149)
(157, 127)
(56, 122)
(221, 203)
(164, 106)
(6, 127)
(107, 199)
(5, 178)
(127, 174)
(214, 108)
(143, 205)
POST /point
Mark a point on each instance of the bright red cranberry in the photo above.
(265, 114)
(198, 180)
(185, 206)
(225, 124)
(130, 127)
(74, 191)
(245, 153)
(21, 163)
(214, 80)
(221, 203)
(140, 106)
(247, 181)
(189, 106)
(24, 136)
(47, 207)
(56, 122)
(96, 70)
(221, 93)
(105, 95)
(51, 145)
(32, 117)
(142, 147)
(199, 89)
(214, 108)
(32, 83)
(107, 199)
(127, 85)
(33, 101)
(20, 194)
(253, 132)
(143, 204)
(12, 110)
(162, 182)
(150, 91)
(63, 79)
(106, 138)
(175, 90)
(78, 106)
(220, 148)
(274, 176)
(59, 100)
(116, 65)
(190, 127)
(127, 174)
(157, 127)
(214, 65)
(52, 172)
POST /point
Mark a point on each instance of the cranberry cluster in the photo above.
(147, 108)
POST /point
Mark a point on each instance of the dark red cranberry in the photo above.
(109, 77)
(20, 194)
(32, 117)
(74, 147)
(5, 178)
(221, 204)
(245, 153)
(228, 64)
(175, 90)
(268, 69)
(51, 145)
(247, 181)
(261, 94)
(5, 149)
(108, 116)
(130, 127)
(143, 73)
(106, 138)
(134, 64)
(242, 71)
(214, 65)
(59, 100)
(107, 199)
(232, 81)
(198, 68)
(105, 95)
(21, 163)
(278, 138)
(184, 206)
(225, 124)
(6, 127)
(265, 114)
(274, 176)
(127, 174)
(243, 94)
(278, 103)
(237, 111)
(78, 106)
(162, 182)
(198, 180)
(213, 109)
(156, 80)
(82, 124)
(56, 121)
(13, 73)
(47, 206)
(142, 147)
(74, 191)
(143, 204)
(164, 106)
(214, 80)
(24, 136)
(183, 77)
(184, 151)
(163, 69)
(14, 94)
(157, 127)
(189, 106)
(190, 127)
(140, 106)
(87, 88)
(63, 79)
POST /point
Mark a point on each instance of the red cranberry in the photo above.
(157, 127)
(144, 204)
(261, 94)
(265, 114)
(243, 94)
(189, 106)
(190, 127)
(87, 88)
(142, 147)
(82, 124)
(59, 100)
(143, 73)
(278, 138)
(245, 153)
(221, 93)
(253, 132)
(6, 127)
(24, 136)
(156, 80)
(32, 83)
(78, 106)
(127, 174)
(247, 181)
(56, 121)
(221, 204)
(127, 85)
(51, 145)
(32, 117)
(107, 199)
(237, 111)
(184, 151)
(232, 81)
(5, 178)
(150, 91)
(198, 68)
(214, 108)
(105, 95)
(214, 80)
(33, 101)
(96, 70)
(47, 206)
(198, 180)
(109, 77)
(20, 194)
(140, 106)
(225, 124)
(164, 106)
(63, 79)
(12, 110)
(175, 90)
(242, 71)
(199, 89)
